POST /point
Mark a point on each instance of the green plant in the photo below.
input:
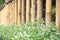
(30, 31)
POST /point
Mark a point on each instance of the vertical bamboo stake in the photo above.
(23, 10)
(11, 12)
(27, 11)
(48, 12)
(58, 14)
(19, 10)
(39, 9)
(33, 10)
(14, 21)
(6, 14)
(16, 11)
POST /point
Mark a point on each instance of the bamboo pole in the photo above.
(27, 11)
(33, 10)
(58, 14)
(5, 15)
(11, 12)
(23, 11)
(6, 12)
(16, 11)
(48, 12)
(39, 9)
(19, 10)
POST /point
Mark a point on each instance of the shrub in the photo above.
(30, 31)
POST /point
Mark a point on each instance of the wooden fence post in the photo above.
(39, 9)
(16, 11)
(58, 14)
(4, 15)
(33, 10)
(10, 12)
(48, 12)
(19, 10)
(23, 11)
(27, 11)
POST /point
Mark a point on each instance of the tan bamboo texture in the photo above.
(39, 9)
(33, 10)
(20, 11)
(58, 14)
(27, 11)
(16, 11)
(48, 12)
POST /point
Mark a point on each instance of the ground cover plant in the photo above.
(30, 31)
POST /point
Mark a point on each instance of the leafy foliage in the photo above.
(1, 3)
(30, 31)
